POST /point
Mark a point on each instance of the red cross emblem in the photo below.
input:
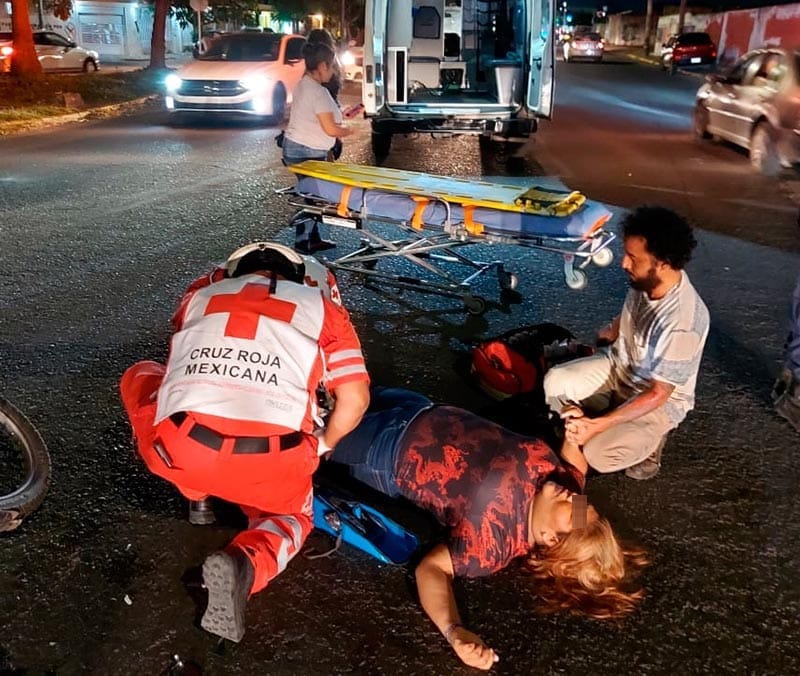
(245, 308)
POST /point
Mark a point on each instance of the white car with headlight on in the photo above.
(243, 73)
(352, 60)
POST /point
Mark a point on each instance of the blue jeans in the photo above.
(293, 153)
(370, 451)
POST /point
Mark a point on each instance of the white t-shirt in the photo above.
(662, 340)
(309, 100)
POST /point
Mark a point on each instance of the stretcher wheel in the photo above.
(577, 279)
(508, 280)
(603, 257)
(475, 305)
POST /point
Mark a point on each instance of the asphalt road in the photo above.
(103, 225)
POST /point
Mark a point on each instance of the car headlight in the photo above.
(173, 82)
(348, 59)
(255, 82)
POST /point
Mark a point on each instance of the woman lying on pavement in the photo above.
(503, 496)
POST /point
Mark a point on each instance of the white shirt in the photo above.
(309, 100)
(663, 340)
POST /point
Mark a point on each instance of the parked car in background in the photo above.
(755, 104)
(352, 60)
(243, 73)
(688, 50)
(55, 52)
(587, 46)
(6, 50)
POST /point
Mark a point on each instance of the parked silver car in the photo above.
(755, 104)
(587, 46)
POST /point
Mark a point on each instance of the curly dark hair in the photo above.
(669, 237)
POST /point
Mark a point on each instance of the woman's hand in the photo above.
(579, 430)
(471, 649)
(571, 411)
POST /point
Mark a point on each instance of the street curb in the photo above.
(20, 126)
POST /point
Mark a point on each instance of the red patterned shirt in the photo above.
(479, 479)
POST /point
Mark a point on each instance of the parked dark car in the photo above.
(755, 104)
(688, 50)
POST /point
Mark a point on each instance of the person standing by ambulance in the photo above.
(315, 125)
(234, 413)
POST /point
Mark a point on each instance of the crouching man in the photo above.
(621, 402)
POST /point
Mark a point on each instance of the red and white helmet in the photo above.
(309, 269)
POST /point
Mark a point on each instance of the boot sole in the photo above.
(224, 615)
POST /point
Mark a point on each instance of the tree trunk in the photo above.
(158, 46)
(24, 62)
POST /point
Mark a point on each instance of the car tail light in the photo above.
(713, 53)
(6, 51)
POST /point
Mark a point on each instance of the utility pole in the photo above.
(681, 16)
(648, 29)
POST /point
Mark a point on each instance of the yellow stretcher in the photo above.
(439, 214)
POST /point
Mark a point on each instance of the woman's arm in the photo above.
(435, 585)
(330, 126)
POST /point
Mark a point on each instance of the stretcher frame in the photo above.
(427, 246)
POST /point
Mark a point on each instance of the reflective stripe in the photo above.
(291, 535)
(345, 354)
(346, 371)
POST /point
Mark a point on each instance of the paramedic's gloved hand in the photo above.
(471, 649)
(324, 450)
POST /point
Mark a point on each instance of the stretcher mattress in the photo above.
(393, 206)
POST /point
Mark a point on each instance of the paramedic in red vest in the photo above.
(235, 415)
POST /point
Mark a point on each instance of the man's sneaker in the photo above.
(200, 513)
(649, 467)
(228, 578)
(788, 407)
(646, 469)
(783, 385)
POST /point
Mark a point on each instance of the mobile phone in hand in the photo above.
(352, 111)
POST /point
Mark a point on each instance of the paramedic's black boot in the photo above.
(200, 513)
(228, 576)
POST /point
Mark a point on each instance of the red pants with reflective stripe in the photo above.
(273, 489)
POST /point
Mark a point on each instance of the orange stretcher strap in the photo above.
(599, 223)
(472, 227)
(419, 209)
(344, 200)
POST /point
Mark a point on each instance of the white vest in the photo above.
(246, 353)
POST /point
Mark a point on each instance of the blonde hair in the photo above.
(589, 572)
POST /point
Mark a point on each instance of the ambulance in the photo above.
(444, 67)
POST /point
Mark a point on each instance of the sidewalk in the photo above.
(125, 65)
